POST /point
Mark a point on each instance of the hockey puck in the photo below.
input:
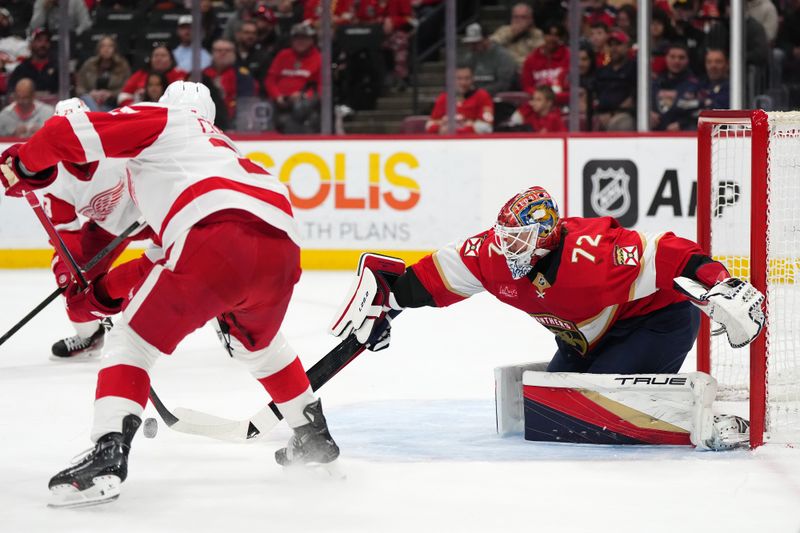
(150, 428)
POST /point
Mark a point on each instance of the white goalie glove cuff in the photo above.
(734, 304)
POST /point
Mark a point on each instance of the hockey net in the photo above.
(749, 219)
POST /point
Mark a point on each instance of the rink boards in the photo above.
(406, 197)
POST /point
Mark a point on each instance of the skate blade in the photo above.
(80, 357)
(104, 490)
(316, 471)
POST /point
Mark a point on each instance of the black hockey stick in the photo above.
(199, 423)
(108, 248)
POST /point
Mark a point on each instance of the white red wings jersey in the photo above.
(182, 168)
(599, 274)
(98, 193)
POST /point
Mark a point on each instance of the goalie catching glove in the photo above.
(732, 303)
(370, 306)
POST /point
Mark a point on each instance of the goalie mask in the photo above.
(194, 96)
(528, 227)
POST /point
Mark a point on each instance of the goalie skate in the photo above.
(729, 432)
(81, 348)
(95, 477)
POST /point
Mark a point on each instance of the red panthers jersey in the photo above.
(600, 273)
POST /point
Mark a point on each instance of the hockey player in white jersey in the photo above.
(229, 238)
(89, 206)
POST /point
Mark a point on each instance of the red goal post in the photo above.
(747, 186)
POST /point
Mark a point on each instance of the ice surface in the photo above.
(416, 427)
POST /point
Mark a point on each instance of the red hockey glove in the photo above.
(84, 305)
(16, 179)
(61, 271)
(370, 306)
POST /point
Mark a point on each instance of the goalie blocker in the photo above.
(674, 409)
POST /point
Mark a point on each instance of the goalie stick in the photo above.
(199, 423)
(108, 248)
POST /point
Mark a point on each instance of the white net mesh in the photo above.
(730, 243)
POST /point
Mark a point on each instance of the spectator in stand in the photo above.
(598, 36)
(39, 67)
(398, 21)
(101, 77)
(249, 53)
(716, 85)
(46, 15)
(758, 50)
(587, 70)
(493, 67)
(292, 83)
(626, 21)
(765, 13)
(288, 13)
(154, 87)
(269, 36)
(521, 37)
(160, 61)
(231, 81)
(210, 23)
(13, 48)
(687, 31)
(342, 12)
(245, 10)
(675, 94)
(183, 52)
(587, 67)
(540, 114)
(615, 86)
(661, 36)
(474, 108)
(549, 65)
(599, 12)
(25, 115)
(789, 42)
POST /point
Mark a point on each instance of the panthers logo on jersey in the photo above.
(566, 331)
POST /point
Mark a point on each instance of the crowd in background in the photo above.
(261, 60)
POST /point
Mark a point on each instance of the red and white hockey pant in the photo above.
(232, 264)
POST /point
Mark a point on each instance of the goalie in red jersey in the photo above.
(618, 301)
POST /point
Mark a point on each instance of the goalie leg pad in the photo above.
(616, 409)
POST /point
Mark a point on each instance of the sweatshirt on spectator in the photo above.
(549, 123)
(233, 83)
(138, 80)
(553, 70)
(477, 104)
(43, 73)
(11, 117)
(614, 85)
(290, 73)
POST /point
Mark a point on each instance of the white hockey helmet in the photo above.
(70, 106)
(192, 95)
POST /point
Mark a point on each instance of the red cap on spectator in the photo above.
(619, 36)
(266, 14)
(40, 31)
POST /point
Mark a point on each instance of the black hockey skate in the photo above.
(96, 477)
(77, 347)
(311, 443)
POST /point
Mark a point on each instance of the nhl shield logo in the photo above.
(611, 195)
(610, 189)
